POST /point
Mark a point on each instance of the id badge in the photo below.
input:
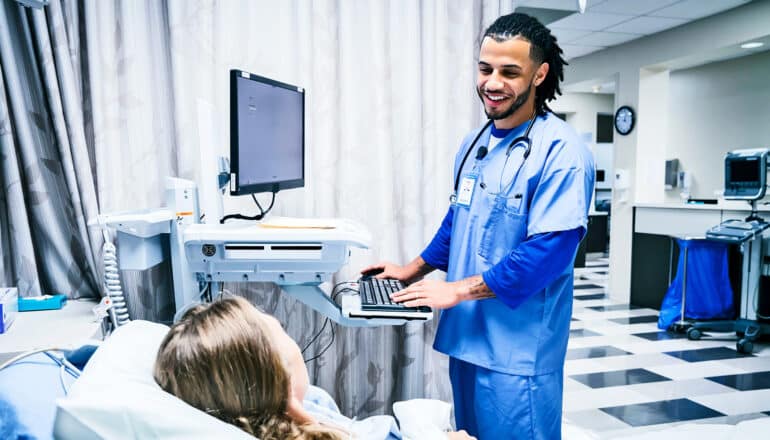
(465, 192)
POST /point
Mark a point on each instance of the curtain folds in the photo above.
(48, 186)
(389, 96)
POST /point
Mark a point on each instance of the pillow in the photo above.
(424, 419)
(117, 397)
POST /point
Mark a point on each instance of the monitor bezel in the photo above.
(235, 188)
(735, 191)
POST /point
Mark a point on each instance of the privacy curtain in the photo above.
(389, 96)
(48, 191)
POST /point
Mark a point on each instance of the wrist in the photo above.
(462, 290)
(472, 288)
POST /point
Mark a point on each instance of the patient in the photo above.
(262, 378)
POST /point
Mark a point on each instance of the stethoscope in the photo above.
(522, 141)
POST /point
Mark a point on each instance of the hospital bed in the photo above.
(116, 397)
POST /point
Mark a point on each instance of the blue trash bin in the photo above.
(701, 289)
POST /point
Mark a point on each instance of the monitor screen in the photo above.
(267, 136)
(745, 172)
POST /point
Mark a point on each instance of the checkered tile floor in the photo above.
(624, 376)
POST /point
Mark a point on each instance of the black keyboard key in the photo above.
(378, 294)
(386, 294)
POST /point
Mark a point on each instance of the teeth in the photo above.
(496, 98)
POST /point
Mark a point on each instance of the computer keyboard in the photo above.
(375, 295)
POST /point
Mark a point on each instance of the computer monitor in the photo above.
(267, 134)
(745, 174)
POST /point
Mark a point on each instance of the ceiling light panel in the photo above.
(752, 45)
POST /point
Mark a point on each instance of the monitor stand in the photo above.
(754, 216)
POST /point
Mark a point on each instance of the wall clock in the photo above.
(625, 120)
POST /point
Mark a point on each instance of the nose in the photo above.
(493, 82)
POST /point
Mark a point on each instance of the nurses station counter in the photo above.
(654, 253)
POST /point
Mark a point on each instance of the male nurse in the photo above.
(523, 182)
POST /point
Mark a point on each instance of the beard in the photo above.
(504, 113)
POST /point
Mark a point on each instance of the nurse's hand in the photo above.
(431, 293)
(388, 270)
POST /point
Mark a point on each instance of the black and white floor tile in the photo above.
(624, 376)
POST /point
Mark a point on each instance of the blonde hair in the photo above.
(219, 359)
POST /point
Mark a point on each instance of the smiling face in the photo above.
(507, 77)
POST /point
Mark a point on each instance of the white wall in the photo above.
(653, 114)
(714, 109)
(581, 110)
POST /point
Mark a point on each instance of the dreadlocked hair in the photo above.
(544, 49)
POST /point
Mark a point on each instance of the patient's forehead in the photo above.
(274, 326)
(280, 340)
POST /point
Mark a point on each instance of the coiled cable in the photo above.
(112, 281)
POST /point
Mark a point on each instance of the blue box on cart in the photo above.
(9, 307)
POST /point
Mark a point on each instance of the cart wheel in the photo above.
(745, 346)
(693, 334)
(679, 328)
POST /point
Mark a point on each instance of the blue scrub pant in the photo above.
(494, 406)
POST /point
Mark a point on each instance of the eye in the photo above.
(485, 70)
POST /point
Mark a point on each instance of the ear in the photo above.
(542, 72)
(297, 412)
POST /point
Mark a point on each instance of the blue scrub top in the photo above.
(550, 191)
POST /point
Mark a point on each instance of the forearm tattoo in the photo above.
(476, 288)
(418, 268)
(424, 268)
